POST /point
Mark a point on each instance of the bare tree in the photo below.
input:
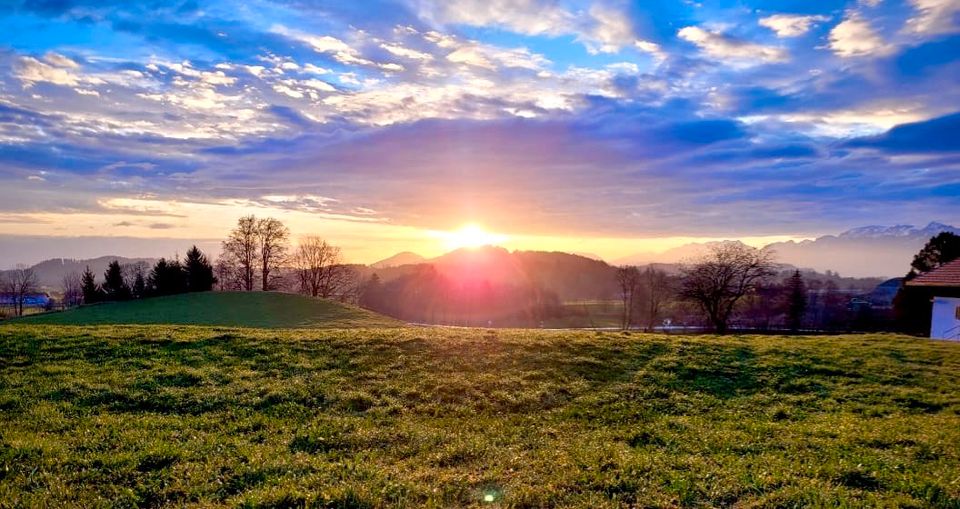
(655, 292)
(724, 276)
(227, 274)
(320, 270)
(241, 249)
(72, 286)
(628, 278)
(20, 283)
(353, 285)
(272, 237)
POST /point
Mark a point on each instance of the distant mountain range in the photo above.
(50, 273)
(865, 252)
(868, 251)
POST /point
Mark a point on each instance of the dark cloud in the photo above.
(941, 134)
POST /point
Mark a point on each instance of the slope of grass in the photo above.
(206, 417)
(229, 309)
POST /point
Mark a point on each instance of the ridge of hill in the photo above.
(399, 259)
(227, 309)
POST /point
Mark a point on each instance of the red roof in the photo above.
(947, 274)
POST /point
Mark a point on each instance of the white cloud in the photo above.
(404, 52)
(603, 28)
(610, 30)
(790, 25)
(860, 121)
(734, 51)
(855, 37)
(934, 17)
(313, 69)
(653, 49)
(256, 70)
(30, 70)
(340, 50)
(60, 60)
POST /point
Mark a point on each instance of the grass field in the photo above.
(196, 416)
(235, 309)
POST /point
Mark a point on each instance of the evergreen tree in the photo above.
(199, 271)
(372, 294)
(167, 278)
(797, 304)
(944, 248)
(139, 289)
(89, 288)
(114, 286)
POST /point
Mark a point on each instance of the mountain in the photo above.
(900, 230)
(867, 251)
(569, 276)
(399, 259)
(50, 273)
(679, 254)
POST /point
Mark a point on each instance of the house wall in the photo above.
(945, 322)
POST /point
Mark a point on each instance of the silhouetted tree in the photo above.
(227, 274)
(797, 301)
(91, 292)
(199, 272)
(372, 294)
(20, 283)
(114, 286)
(167, 278)
(135, 274)
(718, 281)
(240, 250)
(941, 249)
(272, 238)
(72, 287)
(654, 293)
(628, 279)
(318, 267)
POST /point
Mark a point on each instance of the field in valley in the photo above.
(158, 415)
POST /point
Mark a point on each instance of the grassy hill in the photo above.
(229, 309)
(410, 417)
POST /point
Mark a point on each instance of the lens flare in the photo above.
(470, 236)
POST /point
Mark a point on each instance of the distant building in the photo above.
(32, 300)
(882, 296)
(943, 285)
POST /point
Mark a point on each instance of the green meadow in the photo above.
(150, 416)
(234, 309)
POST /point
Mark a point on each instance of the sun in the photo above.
(470, 235)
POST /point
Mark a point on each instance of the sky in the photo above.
(605, 127)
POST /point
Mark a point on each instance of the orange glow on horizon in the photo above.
(470, 235)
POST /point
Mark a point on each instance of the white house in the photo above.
(943, 286)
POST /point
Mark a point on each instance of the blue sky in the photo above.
(380, 123)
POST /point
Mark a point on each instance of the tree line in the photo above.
(732, 286)
(138, 281)
(722, 285)
(258, 255)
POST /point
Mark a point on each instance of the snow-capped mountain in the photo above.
(868, 251)
(900, 230)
